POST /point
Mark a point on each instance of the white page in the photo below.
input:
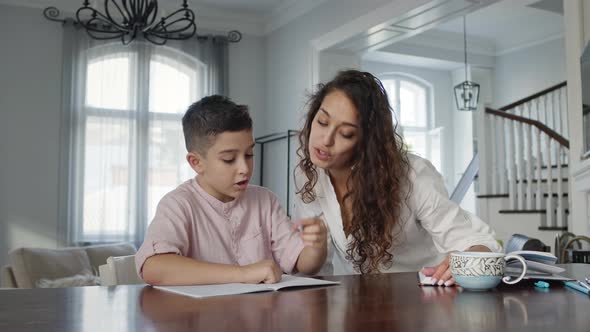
(200, 291)
(538, 276)
(293, 281)
(535, 266)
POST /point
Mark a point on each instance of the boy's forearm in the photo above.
(172, 269)
(311, 260)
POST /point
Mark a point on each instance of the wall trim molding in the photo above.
(581, 176)
(530, 44)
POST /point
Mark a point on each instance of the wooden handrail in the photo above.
(533, 96)
(550, 132)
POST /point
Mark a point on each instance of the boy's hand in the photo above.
(313, 232)
(266, 271)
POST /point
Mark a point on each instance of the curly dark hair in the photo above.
(377, 185)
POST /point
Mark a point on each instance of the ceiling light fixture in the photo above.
(466, 93)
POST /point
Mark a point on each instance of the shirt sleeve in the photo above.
(286, 244)
(451, 227)
(167, 233)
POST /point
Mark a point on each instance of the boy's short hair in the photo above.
(210, 116)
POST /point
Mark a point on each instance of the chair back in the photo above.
(119, 271)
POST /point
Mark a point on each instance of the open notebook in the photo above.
(231, 289)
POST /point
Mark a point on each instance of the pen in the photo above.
(577, 287)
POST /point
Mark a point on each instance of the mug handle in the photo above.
(509, 280)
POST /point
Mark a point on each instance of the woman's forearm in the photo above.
(311, 260)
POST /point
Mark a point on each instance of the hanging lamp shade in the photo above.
(467, 96)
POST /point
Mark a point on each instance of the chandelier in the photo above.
(130, 19)
(466, 93)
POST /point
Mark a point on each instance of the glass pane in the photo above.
(107, 176)
(389, 86)
(416, 142)
(167, 165)
(172, 86)
(107, 83)
(413, 104)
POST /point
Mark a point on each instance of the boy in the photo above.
(215, 228)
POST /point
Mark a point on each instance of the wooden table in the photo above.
(387, 302)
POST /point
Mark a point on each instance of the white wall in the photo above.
(30, 98)
(333, 62)
(443, 105)
(521, 73)
(577, 34)
(247, 72)
(30, 103)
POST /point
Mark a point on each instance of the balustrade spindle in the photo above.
(511, 166)
(494, 156)
(560, 209)
(520, 166)
(538, 177)
(529, 166)
(502, 154)
(549, 207)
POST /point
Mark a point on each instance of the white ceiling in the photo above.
(257, 17)
(496, 29)
(258, 7)
(261, 7)
(511, 23)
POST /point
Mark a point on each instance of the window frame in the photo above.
(396, 78)
(140, 117)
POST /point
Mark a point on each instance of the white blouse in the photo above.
(433, 226)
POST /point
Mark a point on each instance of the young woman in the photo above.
(386, 210)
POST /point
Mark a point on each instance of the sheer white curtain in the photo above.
(123, 146)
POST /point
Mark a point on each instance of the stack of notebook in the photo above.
(540, 265)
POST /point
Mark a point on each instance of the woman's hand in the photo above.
(313, 233)
(441, 274)
(315, 238)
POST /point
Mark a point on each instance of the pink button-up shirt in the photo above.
(251, 228)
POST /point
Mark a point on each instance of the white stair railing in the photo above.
(525, 163)
(548, 107)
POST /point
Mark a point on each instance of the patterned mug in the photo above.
(482, 270)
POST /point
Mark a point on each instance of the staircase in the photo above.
(526, 166)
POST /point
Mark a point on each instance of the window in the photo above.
(131, 145)
(411, 100)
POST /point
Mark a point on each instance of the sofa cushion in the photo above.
(98, 254)
(31, 264)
